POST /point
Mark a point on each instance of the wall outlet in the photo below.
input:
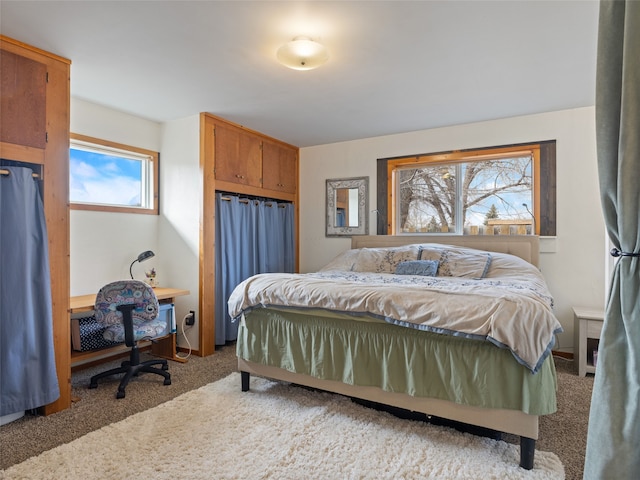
(191, 318)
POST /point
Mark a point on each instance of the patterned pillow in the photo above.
(384, 260)
(427, 268)
(457, 261)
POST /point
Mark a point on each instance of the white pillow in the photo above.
(343, 261)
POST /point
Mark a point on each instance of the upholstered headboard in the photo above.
(526, 247)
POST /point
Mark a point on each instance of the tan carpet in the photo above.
(563, 433)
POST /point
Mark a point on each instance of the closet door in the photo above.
(279, 167)
(238, 156)
(23, 108)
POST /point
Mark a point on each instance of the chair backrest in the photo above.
(126, 292)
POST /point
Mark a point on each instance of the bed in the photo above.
(469, 341)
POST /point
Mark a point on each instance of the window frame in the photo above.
(154, 184)
(543, 189)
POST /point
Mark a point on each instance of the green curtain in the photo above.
(613, 441)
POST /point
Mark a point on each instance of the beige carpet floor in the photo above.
(563, 433)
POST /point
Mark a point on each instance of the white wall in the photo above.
(179, 223)
(572, 262)
(103, 244)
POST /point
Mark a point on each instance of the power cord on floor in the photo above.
(184, 320)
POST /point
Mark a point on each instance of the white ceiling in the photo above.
(395, 66)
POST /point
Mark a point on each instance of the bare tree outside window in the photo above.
(470, 197)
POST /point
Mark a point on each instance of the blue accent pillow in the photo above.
(427, 268)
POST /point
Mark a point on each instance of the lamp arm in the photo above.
(130, 266)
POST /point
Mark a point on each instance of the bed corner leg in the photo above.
(245, 381)
(527, 451)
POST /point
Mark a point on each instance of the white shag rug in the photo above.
(277, 431)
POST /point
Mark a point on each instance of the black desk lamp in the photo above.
(141, 258)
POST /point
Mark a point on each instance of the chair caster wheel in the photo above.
(120, 394)
(93, 385)
(165, 367)
(167, 381)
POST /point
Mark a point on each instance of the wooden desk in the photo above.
(164, 347)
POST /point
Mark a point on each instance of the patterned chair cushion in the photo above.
(143, 331)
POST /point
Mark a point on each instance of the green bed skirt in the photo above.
(369, 352)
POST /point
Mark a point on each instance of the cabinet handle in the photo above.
(239, 176)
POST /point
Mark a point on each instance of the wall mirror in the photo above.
(347, 206)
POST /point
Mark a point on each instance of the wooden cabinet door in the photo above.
(279, 167)
(24, 106)
(238, 158)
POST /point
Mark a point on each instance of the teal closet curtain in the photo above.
(252, 236)
(613, 440)
(28, 376)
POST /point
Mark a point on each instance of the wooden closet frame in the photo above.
(54, 162)
(207, 221)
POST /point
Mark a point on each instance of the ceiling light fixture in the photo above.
(302, 53)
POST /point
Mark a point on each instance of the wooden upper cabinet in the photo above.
(238, 156)
(279, 167)
(24, 101)
(238, 160)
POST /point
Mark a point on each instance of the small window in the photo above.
(111, 177)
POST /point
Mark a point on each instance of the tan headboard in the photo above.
(526, 247)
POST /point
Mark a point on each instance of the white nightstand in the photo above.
(586, 336)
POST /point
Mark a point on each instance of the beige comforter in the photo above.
(513, 312)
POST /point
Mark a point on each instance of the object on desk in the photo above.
(151, 278)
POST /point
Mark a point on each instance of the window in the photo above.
(111, 177)
(491, 191)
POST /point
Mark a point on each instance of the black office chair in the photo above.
(129, 309)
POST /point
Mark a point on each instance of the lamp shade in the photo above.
(302, 53)
(146, 255)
